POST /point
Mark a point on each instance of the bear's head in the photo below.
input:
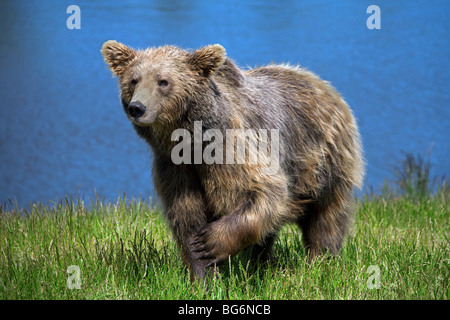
(157, 84)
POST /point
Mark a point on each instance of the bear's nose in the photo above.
(136, 109)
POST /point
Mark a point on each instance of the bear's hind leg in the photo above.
(325, 226)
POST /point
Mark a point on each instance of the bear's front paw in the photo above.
(207, 247)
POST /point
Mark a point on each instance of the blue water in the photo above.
(63, 131)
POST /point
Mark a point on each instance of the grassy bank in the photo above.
(125, 251)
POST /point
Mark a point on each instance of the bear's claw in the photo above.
(206, 248)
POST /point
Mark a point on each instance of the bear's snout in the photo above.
(136, 109)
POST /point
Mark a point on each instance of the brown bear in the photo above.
(215, 209)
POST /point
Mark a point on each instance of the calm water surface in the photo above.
(63, 131)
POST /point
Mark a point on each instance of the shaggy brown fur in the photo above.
(216, 210)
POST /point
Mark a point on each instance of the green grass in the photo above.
(125, 251)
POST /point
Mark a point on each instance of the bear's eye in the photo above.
(133, 82)
(163, 83)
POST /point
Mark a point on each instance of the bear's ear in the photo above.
(117, 56)
(207, 59)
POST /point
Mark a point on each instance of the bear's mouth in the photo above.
(145, 120)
